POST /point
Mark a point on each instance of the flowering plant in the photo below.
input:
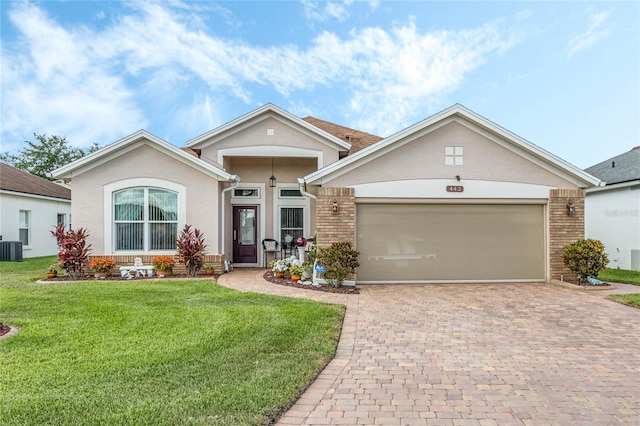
(102, 264)
(296, 269)
(280, 266)
(163, 262)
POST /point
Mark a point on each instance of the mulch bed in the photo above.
(286, 281)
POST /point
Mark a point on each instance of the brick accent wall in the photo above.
(127, 260)
(332, 227)
(564, 229)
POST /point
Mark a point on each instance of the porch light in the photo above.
(272, 179)
(334, 206)
(571, 210)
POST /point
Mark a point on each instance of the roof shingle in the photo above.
(621, 168)
(16, 180)
(356, 138)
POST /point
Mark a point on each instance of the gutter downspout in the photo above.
(236, 181)
(303, 186)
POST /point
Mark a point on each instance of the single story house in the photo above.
(613, 211)
(30, 208)
(453, 198)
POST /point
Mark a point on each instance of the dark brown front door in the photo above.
(245, 248)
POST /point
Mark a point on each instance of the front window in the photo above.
(23, 226)
(145, 219)
(291, 223)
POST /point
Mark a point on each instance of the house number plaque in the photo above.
(455, 188)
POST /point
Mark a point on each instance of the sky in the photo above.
(563, 75)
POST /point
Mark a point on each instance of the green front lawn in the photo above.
(627, 299)
(154, 352)
(620, 276)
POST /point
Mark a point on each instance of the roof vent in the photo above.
(348, 136)
(613, 164)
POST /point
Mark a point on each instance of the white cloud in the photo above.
(94, 85)
(595, 32)
(53, 85)
(326, 10)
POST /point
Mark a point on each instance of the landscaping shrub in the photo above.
(73, 251)
(339, 260)
(191, 249)
(585, 258)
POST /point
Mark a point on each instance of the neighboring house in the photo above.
(30, 208)
(613, 211)
(453, 198)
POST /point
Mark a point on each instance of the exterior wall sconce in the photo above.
(458, 178)
(334, 206)
(272, 179)
(571, 210)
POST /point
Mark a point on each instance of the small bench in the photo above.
(136, 271)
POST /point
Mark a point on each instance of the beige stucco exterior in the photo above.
(423, 157)
(141, 166)
(266, 137)
(494, 166)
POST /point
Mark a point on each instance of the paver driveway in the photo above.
(472, 354)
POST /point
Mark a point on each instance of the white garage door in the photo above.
(450, 243)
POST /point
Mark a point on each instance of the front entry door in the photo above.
(245, 248)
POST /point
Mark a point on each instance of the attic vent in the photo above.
(271, 132)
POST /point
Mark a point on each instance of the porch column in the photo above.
(564, 229)
(335, 226)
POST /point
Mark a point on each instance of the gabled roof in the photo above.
(131, 142)
(621, 168)
(268, 110)
(356, 138)
(16, 180)
(432, 123)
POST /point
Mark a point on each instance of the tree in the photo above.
(48, 153)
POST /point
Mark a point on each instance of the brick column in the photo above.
(563, 228)
(341, 226)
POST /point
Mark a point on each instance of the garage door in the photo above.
(450, 243)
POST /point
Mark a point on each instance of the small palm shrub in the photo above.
(585, 258)
(191, 249)
(339, 260)
(73, 250)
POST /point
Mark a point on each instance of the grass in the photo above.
(626, 277)
(154, 352)
(627, 299)
(620, 276)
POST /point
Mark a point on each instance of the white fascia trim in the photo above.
(108, 191)
(130, 143)
(614, 186)
(270, 151)
(435, 122)
(35, 196)
(436, 188)
(248, 119)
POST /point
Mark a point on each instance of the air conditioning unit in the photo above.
(11, 251)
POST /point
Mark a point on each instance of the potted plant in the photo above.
(209, 269)
(101, 266)
(280, 267)
(52, 271)
(163, 264)
(296, 271)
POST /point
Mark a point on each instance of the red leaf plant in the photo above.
(191, 249)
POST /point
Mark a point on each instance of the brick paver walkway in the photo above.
(476, 354)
